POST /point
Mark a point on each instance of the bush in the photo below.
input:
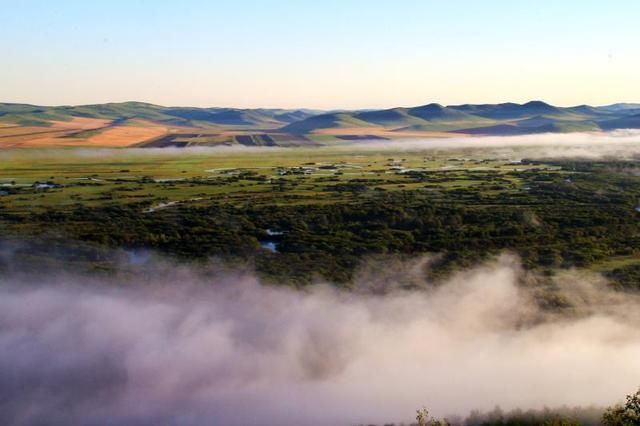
(624, 415)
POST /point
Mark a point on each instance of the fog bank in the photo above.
(582, 145)
(618, 144)
(225, 350)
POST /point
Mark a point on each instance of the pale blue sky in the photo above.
(319, 54)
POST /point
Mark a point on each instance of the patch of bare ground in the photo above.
(122, 136)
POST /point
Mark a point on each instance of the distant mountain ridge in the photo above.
(487, 119)
(259, 117)
(183, 126)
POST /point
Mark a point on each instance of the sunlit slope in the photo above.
(490, 119)
(142, 124)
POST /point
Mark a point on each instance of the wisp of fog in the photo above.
(194, 349)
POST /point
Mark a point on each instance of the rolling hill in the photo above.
(144, 124)
(484, 119)
(185, 116)
(627, 122)
(326, 121)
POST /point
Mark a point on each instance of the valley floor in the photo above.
(301, 214)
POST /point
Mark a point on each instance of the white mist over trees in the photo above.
(181, 348)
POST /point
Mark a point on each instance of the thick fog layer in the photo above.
(184, 349)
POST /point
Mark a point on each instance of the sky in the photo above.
(325, 54)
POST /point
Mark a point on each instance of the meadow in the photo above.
(303, 214)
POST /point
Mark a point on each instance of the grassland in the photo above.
(75, 176)
(80, 132)
(331, 207)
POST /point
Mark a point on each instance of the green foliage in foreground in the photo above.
(627, 414)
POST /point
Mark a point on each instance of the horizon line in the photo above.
(311, 108)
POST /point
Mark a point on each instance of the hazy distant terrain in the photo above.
(147, 125)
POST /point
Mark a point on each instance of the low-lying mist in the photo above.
(616, 144)
(619, 144)
(181, 347)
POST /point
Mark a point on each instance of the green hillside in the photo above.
(185, 116)
(474, 119)
(326, 121)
